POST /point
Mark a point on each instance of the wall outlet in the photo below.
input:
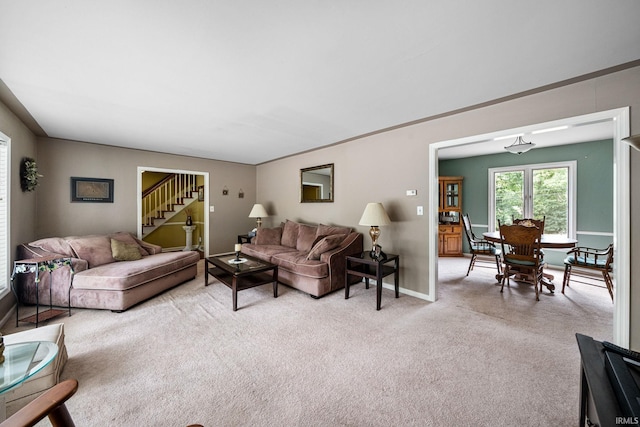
(420, 210)
(412, 192)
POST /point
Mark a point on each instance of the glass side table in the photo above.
(37, 266)
(22, 361)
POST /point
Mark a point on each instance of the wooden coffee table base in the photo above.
(239, 280)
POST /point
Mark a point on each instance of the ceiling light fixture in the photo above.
(519, 146)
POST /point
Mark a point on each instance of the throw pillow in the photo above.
(54, 244)
(268, 236)
(324, 245)
(95, 249)
(125, 251)
(306, 237)
(125, 237)
(327, 230)
(290, 234)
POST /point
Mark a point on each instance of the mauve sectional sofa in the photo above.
(101, 281)
(310, 258)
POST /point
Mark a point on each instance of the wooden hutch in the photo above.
(449, 216)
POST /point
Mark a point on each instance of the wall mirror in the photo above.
(316, 184)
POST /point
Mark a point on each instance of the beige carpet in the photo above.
(474, 358)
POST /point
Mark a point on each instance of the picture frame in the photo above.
(201, 193)
(91, 190)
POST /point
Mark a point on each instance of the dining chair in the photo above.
(521, 255)
(530, 222)
(590, 258)
(480, 248)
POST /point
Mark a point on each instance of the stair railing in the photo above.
(165, 195)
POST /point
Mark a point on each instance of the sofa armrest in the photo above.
(352, 245)
(149, 247)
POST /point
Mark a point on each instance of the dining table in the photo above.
(547, 241)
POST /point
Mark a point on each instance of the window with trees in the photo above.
(534, 191)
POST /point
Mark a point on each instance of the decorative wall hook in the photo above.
(225, 191)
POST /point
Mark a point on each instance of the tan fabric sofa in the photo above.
(310, 258)
(100, 280)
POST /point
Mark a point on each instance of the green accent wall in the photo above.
(594, 187)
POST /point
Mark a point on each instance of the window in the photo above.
(4, 213)
(534, 191)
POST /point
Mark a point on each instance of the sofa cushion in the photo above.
(306, 237)
(264, 252)
(125, 237)
(122, 251)
(298, 263)
(290, 234)
(120, 276)
(268, 236)
(325, 244)
(54, 244)
(327, 230)
(95, 249)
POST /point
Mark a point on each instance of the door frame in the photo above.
(621, 206)
(142, 169)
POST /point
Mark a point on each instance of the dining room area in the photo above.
(566, 191)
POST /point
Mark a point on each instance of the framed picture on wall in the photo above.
(201, 193)
(92, 190)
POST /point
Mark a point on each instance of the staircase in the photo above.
(166, 199)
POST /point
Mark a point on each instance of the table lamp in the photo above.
(258, 212)
(375, 216)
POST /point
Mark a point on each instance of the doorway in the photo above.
(200, 222)
(619, 122)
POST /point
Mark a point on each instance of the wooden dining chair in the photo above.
(521, 255)
(593, 259)
(480, 248)
(530, 222)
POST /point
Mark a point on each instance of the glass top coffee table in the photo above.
(240, 273)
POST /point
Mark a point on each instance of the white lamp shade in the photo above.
(374, 215)
(258, 211)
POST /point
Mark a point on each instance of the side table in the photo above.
(244, 238)
(373, 268)
(22, 361)
(37, 265)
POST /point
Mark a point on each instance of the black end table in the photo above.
(364, 265)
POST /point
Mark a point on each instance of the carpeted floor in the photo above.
(475, 357)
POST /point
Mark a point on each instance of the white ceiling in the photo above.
(250, 81)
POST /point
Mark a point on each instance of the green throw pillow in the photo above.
(124, 251)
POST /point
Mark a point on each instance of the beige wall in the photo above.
(23, 205)
(383, 166)
(61, 159)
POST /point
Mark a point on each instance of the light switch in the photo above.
(412, 192)
(211, 208)
(420, 210)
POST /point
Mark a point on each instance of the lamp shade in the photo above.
(519, 146)
(374, 215)
(258, 211)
